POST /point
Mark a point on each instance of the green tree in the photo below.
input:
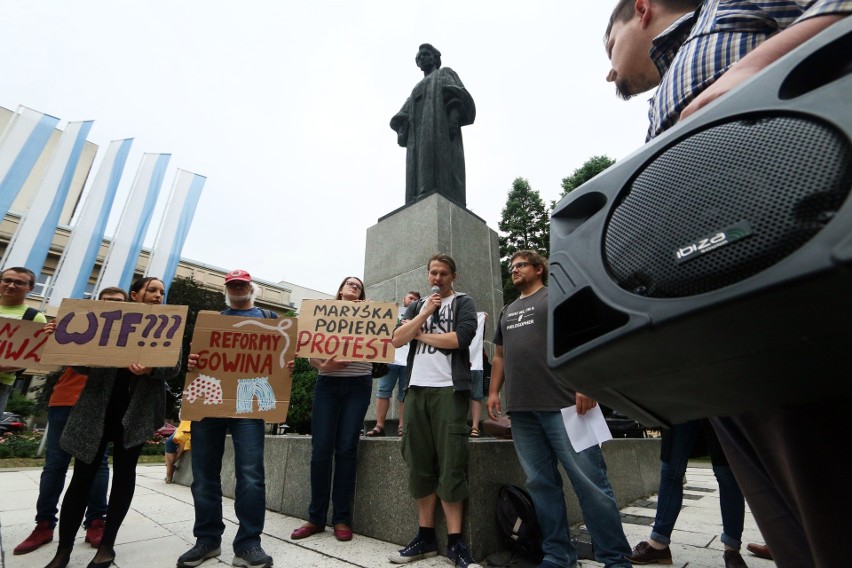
(590, 168)
(525, 225)
(20, 404)
(188, 292)
(301, 397)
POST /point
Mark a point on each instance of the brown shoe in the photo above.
(759, 550)
(42, 534)
(95, 532)
(644, 553)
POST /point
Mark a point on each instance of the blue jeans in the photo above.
(670, 498)
(542, 443)
(56, 462)
(396, 374)
(340, 404)
(208, 446)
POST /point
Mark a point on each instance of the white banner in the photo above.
(174, 227)
(21, 144)
(78, 259)
(31, 242)
(124, 249)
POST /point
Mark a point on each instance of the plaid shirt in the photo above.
(698, 48)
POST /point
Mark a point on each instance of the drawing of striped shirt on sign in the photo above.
(247, 389)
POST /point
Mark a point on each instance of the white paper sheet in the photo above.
(587, 430)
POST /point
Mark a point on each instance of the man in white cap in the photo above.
(208, 446)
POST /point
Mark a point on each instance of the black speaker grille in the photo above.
(785, 176)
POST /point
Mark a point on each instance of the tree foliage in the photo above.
(20, 404)
(188, 292)
(590, 168)
(301, 397)
(525, 225)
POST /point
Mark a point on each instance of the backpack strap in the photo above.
(30, 314)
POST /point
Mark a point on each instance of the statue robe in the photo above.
(434, 162)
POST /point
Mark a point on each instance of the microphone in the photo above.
(436, 317)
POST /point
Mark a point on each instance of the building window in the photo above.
(41, 285)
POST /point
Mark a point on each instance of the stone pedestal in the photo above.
(383, 508)
(400, 244)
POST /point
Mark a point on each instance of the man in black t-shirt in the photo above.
(535, 399)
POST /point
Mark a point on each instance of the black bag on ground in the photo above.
(518, 523)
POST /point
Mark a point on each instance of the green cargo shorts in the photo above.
(434, 442)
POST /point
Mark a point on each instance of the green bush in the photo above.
(301, 397)
(19, 445)
(20, 404)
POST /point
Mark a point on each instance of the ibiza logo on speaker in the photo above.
(711, 242)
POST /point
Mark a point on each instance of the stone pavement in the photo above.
(158, 529)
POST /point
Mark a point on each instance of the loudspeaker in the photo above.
(710, 272)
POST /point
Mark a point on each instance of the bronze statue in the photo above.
(429, 127)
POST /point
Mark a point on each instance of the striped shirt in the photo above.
(698, 48)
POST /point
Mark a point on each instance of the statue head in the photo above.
(436, 55)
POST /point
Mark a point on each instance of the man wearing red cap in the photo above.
(208, 446)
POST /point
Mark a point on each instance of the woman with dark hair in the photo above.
(122, 406)
(341, 397)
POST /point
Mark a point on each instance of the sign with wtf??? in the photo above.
(92, 333)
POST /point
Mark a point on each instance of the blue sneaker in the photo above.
(417, 549)
(460, 556)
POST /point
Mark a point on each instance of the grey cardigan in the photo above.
(147, 410)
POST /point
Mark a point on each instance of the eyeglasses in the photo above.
(354, 285)
(518, 265)
(18, 283)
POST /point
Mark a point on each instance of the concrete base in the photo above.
(400, 244)
(383, 508)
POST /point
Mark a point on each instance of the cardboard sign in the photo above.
(92, 333)
(242, 368)
(21, 344)
(353, 331)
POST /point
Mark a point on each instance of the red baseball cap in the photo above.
(237, 276)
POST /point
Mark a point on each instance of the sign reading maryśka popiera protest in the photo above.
(93, 333)
(242, 368)
(21, 343)
(348, 331)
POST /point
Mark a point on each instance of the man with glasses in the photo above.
(208, 445)
(15, 283)
(535, 400)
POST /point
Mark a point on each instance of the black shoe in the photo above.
(196, 555)
(733, 559)
(253, 558)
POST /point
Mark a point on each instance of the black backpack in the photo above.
(518, 523)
